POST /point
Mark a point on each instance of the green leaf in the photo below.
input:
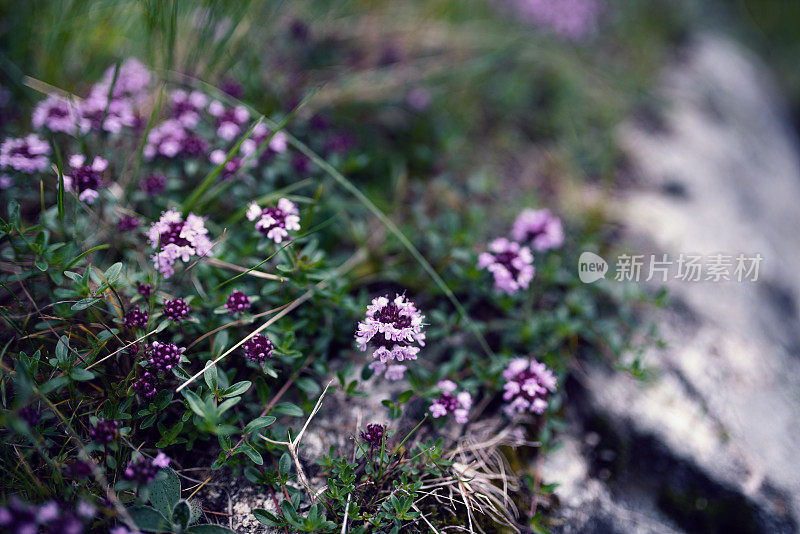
(165, 493)
(113, 272)
(259, 422)
(237, 389)
(309, 386)
(287, 408)
(284, 464)
(181, 514)
(253, 454)
(266, 518)
(80, 374)
(149, 519)
(84, 303)
(404, 396)
(211, 377)
(195, 403)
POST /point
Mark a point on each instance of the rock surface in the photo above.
(711, 443)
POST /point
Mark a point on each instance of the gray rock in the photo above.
(711, 443)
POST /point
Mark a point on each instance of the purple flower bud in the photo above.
(528, 386)
(135, 319)
(258, 348)
(144, 290)
(510, 263)
(237, 302)
(104, 432)
(393, 329)
(374, 435)
(127, 223)
(176, 309)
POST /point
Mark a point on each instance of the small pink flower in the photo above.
(528, 386)
(275, 222)
(540, 228)
(510, 263)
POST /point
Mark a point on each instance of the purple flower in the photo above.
(98, 114)
(175, 239)
(451, 402)
(393, 329)
(127, 223)
(237, 302)
(540, 228)
(510, 263)
(374, 435)
(85, 180)
(145, 385)
(232, 87)
(78, 469)
(277, 145)
(153, 184)
(570, 19)
(187, 108)
(104, 432)
(258, 348)
(176, 309)
(30, 415)
(133, 81)
(528, 385)
(25, 154)
(301, 164)
(275, 222)
(418, 99)
(171, 139)
(217, 157)
(163, 357)
(135, 319)
(230, 121)
(57, 114)
(18, 517)
(143, 470)
(144, 290)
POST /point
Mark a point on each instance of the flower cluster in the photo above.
(153, 184)
(171, 139)
(85, 179)
(163, 356)
(540, 228)
(187, 108)
(144, 290)
(158, 359)
(451, 402)
(374, 435)
(570, 19)
(510, 263)
(176, 309)
(174, 239)
(56, 114)
(22, 518)
(394, 330)
(145, 385)
(28, 154)
(258, 348)
(144, 470)
(275, 222)
(230, 121)
(127, 223)
(104, 432)
(527, 387)
(135, 319)
(237, 302)
(30, 415)
(217, 157)
(277, 145)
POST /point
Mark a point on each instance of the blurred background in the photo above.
(655, 126)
